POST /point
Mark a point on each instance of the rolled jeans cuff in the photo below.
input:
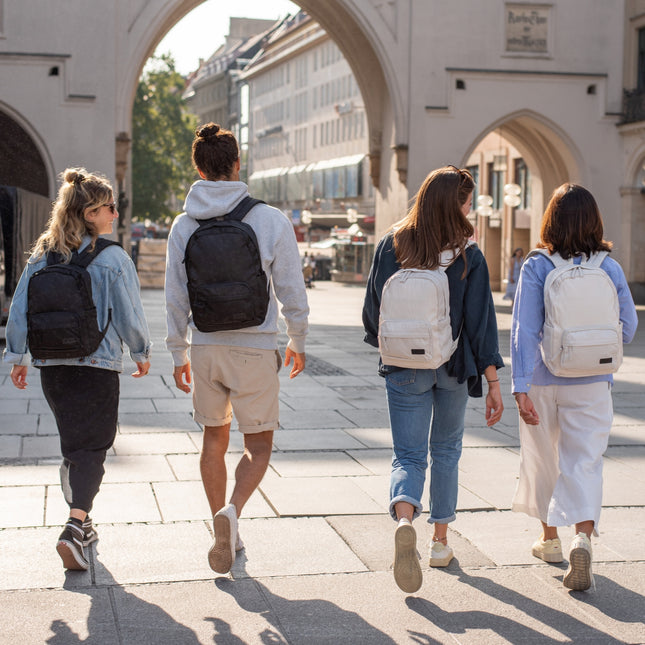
(418, 506)
(442, 520)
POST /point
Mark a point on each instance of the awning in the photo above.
(338, 162)
(271, 172)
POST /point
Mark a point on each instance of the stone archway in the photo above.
(363, 33)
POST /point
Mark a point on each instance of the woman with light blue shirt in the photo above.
(83, 392)
(564, 421)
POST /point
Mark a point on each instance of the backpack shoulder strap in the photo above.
(240, 211)
(84, 258)
(596, 259)
(555, 258)
(237, 214)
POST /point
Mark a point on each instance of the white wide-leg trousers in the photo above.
(560, 479)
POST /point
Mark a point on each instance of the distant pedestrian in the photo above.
(83, 392)
(235, 369)
(514, 267)
(427, 406)
(564, 420)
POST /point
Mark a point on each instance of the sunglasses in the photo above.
(112, 207)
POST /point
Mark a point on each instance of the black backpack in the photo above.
(227, 287)
(61, 315)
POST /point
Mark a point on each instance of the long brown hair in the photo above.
(436, 221)
(215, 151)
(572, 224)
(67, 225)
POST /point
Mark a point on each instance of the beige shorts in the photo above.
(239, 380)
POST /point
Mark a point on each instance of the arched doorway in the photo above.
(524, 150)
(366, 53)
(21, 162)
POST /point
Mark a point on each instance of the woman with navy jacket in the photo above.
(427, 406)
(564, 420)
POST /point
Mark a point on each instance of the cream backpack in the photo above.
(414, 319)
(583, 335)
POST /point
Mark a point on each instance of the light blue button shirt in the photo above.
(527, 366)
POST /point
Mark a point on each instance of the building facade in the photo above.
(563, 81)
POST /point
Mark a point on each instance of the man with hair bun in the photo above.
(235, 370)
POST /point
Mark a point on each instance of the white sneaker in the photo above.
(407, 570)
(222, 554)
(579, 576)
(440, 554)
(239, 545)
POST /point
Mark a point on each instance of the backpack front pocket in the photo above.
(592, 351)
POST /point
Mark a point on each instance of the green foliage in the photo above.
(162, 134)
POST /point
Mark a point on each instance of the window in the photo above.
(522, 178)
(496, 186)
(641, 59)
(474, 171)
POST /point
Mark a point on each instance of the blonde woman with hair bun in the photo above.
(83, 393)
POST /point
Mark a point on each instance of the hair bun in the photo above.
(209, 130)
(74, 175)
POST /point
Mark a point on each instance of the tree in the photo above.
(162, 134)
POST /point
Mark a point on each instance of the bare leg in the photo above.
(251, 468)
(404, 510)
(78, 513)
(213, 466)
(551, 532)
(585, 527)
(440, 533)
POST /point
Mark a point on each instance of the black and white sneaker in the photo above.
(70, 547)
(89, 532)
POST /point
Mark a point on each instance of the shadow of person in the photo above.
(301, 620)
(115, 613)
(510, 629)
(615, 601)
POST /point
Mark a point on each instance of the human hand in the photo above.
(181, 374)
(19, 376)
(143, 369)
(298, 362)
(494, 404)
(527, 410)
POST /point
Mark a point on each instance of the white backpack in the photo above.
(414, 319)
(583, 335)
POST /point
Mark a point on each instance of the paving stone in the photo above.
(21, 506)
(127, 405)
(40, 447)
(322, 439)
(11, 406)
(316, 496)
(147, 387)
(295, 555)
(172, 552)
(304, 420)
(377, 461)
(173, 405)
(186, 501)
(29, 474)
(157, 422)
(19, 423)
(64, 616)
(47, 425)
(316, 464)
(137, 468)
(372, 437)
(367, 418)
(153, 443)
(10, 446)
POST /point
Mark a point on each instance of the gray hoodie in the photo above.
(280, 261)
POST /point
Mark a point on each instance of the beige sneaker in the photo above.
(548, 550)
(440, 555)
(407, 570)
(222, 554)
(578, 576)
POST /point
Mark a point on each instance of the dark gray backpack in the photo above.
(61, 315)
(227, 286)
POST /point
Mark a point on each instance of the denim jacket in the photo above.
(472, 313)
(115, 287)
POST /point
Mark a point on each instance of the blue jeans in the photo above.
(426, 405)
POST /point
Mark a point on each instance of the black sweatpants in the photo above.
(85, 403)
